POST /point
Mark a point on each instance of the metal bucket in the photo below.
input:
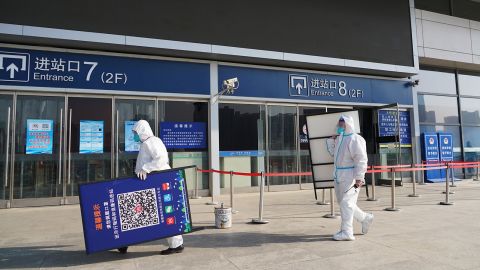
(223, 217)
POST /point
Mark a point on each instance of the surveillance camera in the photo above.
(413, 83)
(232, 81)
(231, 85)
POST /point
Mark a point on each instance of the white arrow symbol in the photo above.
(12, 68)
(299, 88)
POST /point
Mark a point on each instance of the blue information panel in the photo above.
(39, 136)
(123, 212)
(184, 134)
(431, 154)
(91, 137)
(387, 124)
(130, 144)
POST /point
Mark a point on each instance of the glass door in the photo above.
(89, 142)
(6, 113)
(282, 146)
(127, 113)
(38, 144)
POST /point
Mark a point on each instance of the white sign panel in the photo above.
(320, 129)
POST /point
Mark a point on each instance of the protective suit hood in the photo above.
(349, 124)
(143, 129)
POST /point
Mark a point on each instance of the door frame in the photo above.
(8, 182)
(46, 201)
(67, 139)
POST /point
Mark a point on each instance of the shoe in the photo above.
(170, 251)
(367, 223)
(343, 236)
(123, 250)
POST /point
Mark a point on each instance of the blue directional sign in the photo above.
(122, 212)
(281, 84)
(14, 66)
(36, 68)
(298, 85)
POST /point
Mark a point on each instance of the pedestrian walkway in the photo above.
(422, 235)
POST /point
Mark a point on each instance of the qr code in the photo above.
(138, 209)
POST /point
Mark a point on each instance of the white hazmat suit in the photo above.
(350, 164)
(153, 156)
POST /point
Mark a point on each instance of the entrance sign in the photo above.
(50, 69)
(122, 212)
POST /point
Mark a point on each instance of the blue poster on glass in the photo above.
(91, 137)
(387, 125)
(39, 137)
(431, 154)
(122, 212)
(130, 144)
(184, 134)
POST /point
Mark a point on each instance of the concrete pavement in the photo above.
(423, 235)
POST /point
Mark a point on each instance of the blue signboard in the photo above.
(445, 143)
(446, 146)
(39, 136)
(266, 83)
(89, 71)
(91, 137)
(184, 135)
(431, 154)
(244, 153)
(130, 144)
(122, 212)
(387, 125)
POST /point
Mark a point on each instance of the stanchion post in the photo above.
(478, 173)
(447, 178)
(373, 198)
(231, 193)
(422, 182)
(195, 192)
(332, 207)
(323, 202)
(452, 176)
(447, 190)
(393, 207)
(260, 219)
(414, 183)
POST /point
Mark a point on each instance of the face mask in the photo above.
(340, 130)
(136, 138)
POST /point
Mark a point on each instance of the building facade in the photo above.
(75, 77)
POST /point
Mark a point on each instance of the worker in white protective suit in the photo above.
(350, 164)
(153, 156)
